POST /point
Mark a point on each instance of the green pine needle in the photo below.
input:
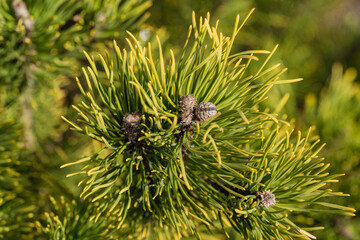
(241, 166)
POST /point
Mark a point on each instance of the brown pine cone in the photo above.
(187, 103)
(129, 125)
(204, 111)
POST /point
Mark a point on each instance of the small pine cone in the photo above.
(267, 198)
(204, 111)
(129, 125)
(187, 104)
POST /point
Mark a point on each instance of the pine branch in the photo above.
(15, 212)
(27, 113)
(183, 165)
(73, 221)
(34, 54)
(22, 14)
(40, 46)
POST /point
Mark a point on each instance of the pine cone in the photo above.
(266, 198)
(205, 110)
(187, 104)
(129, 125)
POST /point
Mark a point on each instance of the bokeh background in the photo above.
(319, 41)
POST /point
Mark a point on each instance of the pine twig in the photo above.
(27, 111)
(21, 12)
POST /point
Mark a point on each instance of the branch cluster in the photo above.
(180, 165)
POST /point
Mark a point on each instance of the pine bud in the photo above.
(129, 125)
(205, 110)
(187, 104)
(267, 198)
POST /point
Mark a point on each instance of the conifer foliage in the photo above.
(15, 212)
(186, 143)
(72, 221)
(41, 45)
(49, 35)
